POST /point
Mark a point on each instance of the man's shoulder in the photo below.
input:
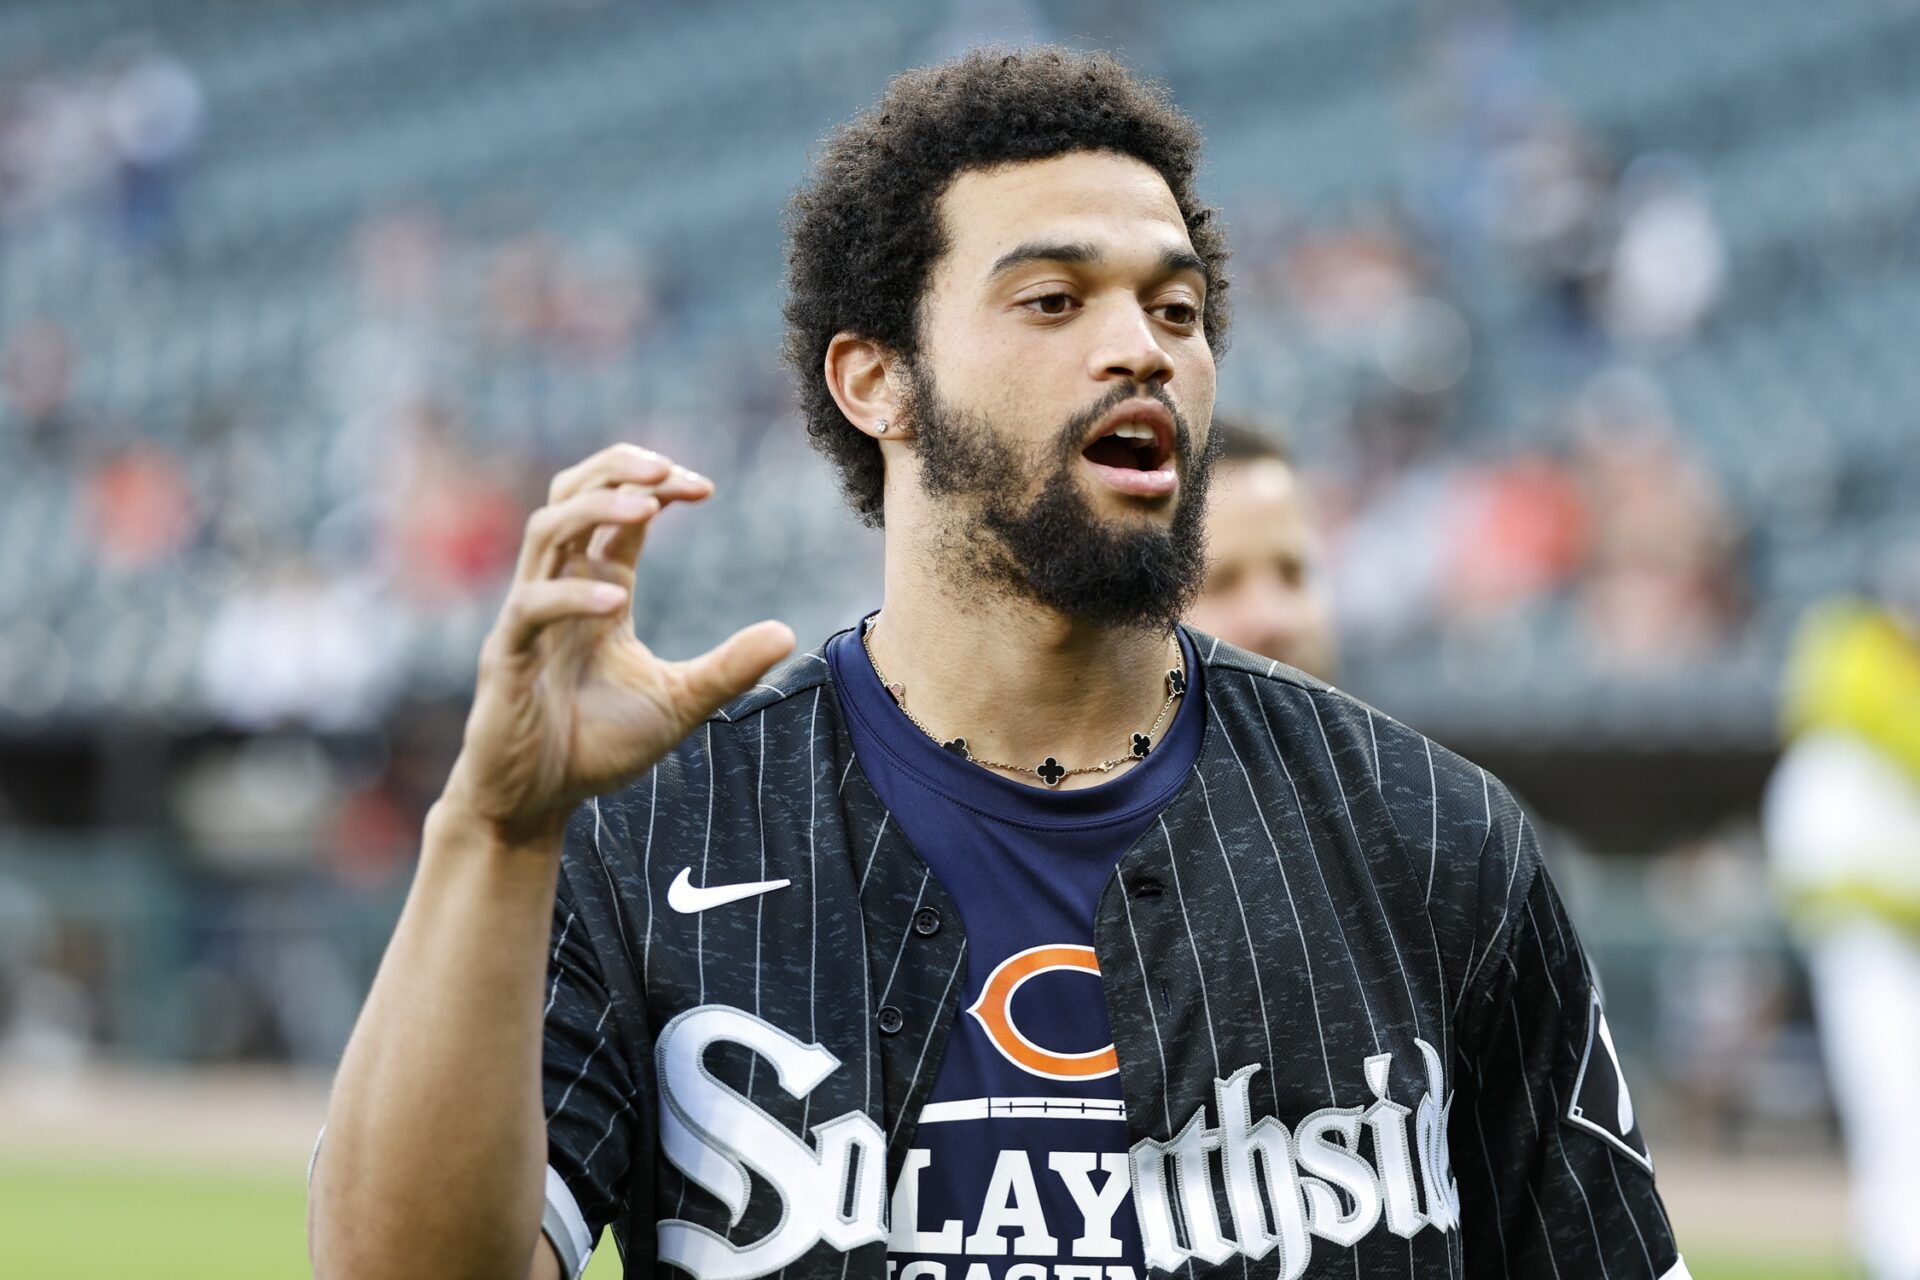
(783, 690)
(1421, 782)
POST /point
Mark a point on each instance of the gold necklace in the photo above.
(1049, 771)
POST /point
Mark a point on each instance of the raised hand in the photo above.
(569, 703)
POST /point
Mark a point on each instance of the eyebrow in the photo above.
(1172, 260)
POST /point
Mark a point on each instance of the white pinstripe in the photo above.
(1306, 952)
(706, 847)
(1546, 961)
(646, 878)
(1520, 1049)
(866, 989)
(1199, 965)
(1366, 864)
(760, 903)
(921, 1061)
(1313, 857)
(1433, 934)
(613, 891)
(1660, 1208)
(1433, 835)
(1146, 985)
(905, 934)
(554, 990)
(813, 906)
(1446, 1019)
(843, 775)
(1506, 905)
(885, 817)
(1546, 1237)
(1599, 1245)
(813, 894)
(1493, 1180)
(587, 1160)
(700, 921)
(1253, 960)
(599, 1044)
(1633, 1220)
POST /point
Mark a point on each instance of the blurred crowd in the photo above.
(1465, 378)
(1543, 482)
(101, 144)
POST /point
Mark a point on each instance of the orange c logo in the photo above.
(994, 1011)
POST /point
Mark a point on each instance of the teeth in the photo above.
(1134, 431)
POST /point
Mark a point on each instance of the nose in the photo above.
(1127, 349)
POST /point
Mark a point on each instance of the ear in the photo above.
(859, 373)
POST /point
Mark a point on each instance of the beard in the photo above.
(1056, 550)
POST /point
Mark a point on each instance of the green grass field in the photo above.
(83, 1222)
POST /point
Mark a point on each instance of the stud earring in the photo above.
(880, 427)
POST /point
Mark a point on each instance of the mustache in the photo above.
(1074, 433)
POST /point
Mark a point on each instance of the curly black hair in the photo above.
(863, 234)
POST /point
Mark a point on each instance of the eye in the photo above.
(1051, 304)
(1181, 315)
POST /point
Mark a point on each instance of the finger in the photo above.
(531, 607)
(612, 465)
(730, 668)
(623, 464)
(623, 543)
(551, 528)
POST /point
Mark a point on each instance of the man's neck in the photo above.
(1018, 681)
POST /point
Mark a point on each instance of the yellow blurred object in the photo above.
(1841, 815)
(1855, 669)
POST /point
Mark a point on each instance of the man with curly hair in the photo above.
(1017, 932)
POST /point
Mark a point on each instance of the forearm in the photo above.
(436, 1142)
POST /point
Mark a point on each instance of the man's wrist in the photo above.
(457, 828)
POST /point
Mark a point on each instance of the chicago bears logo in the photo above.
(994, 1011)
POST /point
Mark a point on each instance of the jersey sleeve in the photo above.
(590, 1093)
(1553, 1170)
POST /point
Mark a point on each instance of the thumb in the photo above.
(730, 667)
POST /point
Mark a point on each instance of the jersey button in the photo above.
(891, 1020)
(926, 922)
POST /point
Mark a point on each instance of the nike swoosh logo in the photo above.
(687, 898)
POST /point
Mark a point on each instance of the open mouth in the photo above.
(1136, 436)
(1130, 446)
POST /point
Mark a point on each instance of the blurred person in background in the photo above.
(151, 110)
(38, 418)
(1842, 825)
(1263, 589)
(1662, 584)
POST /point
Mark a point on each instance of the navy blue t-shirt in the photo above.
(1019, 1164)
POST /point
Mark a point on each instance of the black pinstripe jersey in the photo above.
(1356, 1032)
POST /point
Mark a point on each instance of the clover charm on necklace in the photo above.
(958, 746)
(1176, 682)
(1051, 771)
(1141, 745)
